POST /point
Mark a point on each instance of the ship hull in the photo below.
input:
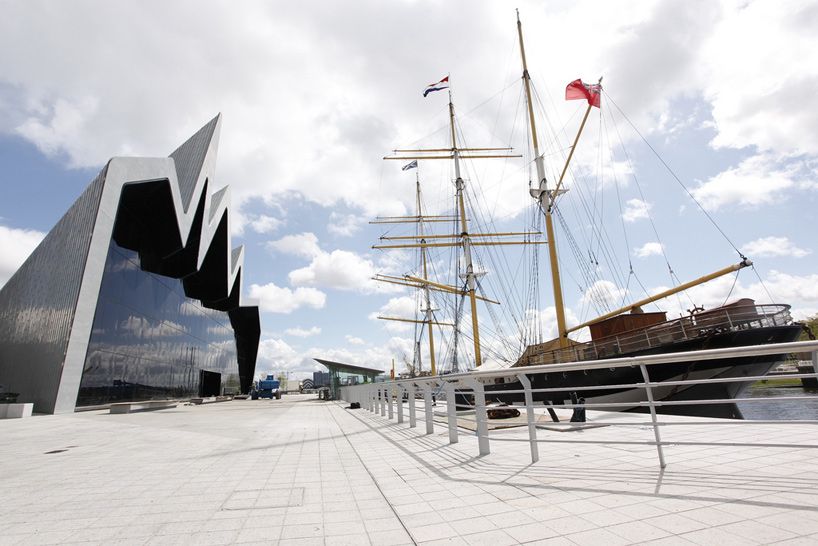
(702, 369)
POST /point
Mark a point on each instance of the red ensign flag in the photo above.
(578, 90)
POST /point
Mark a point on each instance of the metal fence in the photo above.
(730, 318)
(387, 398)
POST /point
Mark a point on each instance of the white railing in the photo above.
(720, 320)
(387, 397)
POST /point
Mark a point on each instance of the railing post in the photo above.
(815, 361)
(389, 402)
(451, 411)
(427, 402)
(649, 391)
(382, 396)
(410, 398)
(480, 416)
(399, 390)
(531, 418)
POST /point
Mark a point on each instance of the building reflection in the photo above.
(151, 341)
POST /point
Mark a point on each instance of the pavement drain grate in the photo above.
(250, 499)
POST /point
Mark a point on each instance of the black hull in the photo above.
(728, 367)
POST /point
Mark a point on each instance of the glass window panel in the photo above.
(149, 341)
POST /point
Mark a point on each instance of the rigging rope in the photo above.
(673, 174)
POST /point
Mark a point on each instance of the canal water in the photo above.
(780, 409)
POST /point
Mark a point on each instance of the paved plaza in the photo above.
(302, 471)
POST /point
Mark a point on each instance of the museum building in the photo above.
(135, 294)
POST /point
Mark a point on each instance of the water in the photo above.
(780, 409)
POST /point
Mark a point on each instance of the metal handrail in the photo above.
(720, 320)
(377, 396)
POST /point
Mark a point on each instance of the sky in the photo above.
(314, 94)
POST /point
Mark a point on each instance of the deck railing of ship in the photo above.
(696, 326)
(398, 397)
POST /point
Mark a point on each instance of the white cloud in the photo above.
(787, 288)
(399, 307)
(773, 246)
(63, 129)
(547, 319)
(275, 299)
(352, 340)
(276, 355)
(265, 224)
(341, 270)
(303, 332)
(95, 102)
(636, 209)
(648, 249)
(17, 244)
(756, 181)
(316, 138)
(799, 291)
(344, 225)
(754, 90)
(603, 294)
(302, 244)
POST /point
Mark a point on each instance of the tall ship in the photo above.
(627, 330)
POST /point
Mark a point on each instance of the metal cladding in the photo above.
(162, 209)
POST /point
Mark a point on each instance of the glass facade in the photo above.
(151, 341)
(340, 379)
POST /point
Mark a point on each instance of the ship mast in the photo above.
(545, 197)
(427, 299)
(462, 239)
(465, 239)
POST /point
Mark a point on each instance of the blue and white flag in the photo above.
(412, 165)
(438, 86)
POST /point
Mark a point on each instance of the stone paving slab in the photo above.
(302, 471)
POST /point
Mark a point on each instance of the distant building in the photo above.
(342, 375)
(320, 379)
(135, 293)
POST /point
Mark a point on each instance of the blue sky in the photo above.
(314, 95)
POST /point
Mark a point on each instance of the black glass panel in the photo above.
(150, 341)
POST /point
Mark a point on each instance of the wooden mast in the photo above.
(545, 198)
(428, 301)
(462, 239)
(745, 262)
(465, 239)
